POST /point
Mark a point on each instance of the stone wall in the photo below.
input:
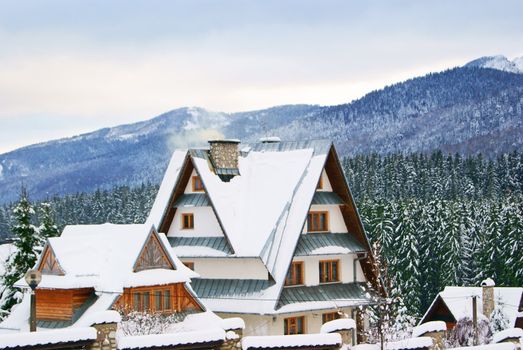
(233, 339)
(225, 153)
(438, 338)
(106, 337)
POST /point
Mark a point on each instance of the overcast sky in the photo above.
(68, 67)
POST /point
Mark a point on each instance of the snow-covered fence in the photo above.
(344, 326)
(329, 341)
(434, 329)
(420, 343)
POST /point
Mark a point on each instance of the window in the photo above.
(295, 274)
(158, 300)
(167, 299)
(146, 299)
(137, 301)
(329, 316)
(320, 183)
(329, 271)
(318, 221)
(197, 185)
(189, 265)
(294, 325)
(187, 221)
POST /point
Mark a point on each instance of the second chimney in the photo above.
(224, 157)
(487, 287)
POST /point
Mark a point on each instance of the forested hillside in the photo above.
(439, 220)
(469, 110)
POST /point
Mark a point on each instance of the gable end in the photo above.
(49, 264)
(153, 255)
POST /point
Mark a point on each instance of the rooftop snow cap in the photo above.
(269, 139)
(224, 155)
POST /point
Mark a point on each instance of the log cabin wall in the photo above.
(59, 304)
(160, 298)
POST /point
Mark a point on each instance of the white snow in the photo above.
(47, 337)
(164, 193)
(412, 343)
(233, 323)
(366, 347)
(508, 333)
(154, 277)
(338, 325)
(518, 62)
(501, 346)
(100, 317)
(330, 250)
(433, 326)
(171, 339)
(269, 139)
(283, 341)
(489, 282)
(5, 251)
(195, 252)
(498, 62)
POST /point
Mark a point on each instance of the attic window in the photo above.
(320, 183)
(295, 274)
(197, 185)
(187, 221)
(329, 271)
(318, 221)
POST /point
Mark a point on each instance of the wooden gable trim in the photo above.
(179, 189)
(142, 262)
(49, 259)
(334, 172)
(437, 304)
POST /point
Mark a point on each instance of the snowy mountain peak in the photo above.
(498, 62)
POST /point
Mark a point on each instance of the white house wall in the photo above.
(188, 188)
(229, 268)
(336, 222)
(274, 325)
(312, 268)
(205, 223)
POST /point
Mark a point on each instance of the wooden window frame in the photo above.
(322, 270)
(320, 183)
(287, 326)
(189, 264)
(195, 180)
(310, 217)
(191, 221)
(295, 281)
(329, 316)
(154, 294)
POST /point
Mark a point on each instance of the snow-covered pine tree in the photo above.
(47, 226)
(24, 256)
(498, 320)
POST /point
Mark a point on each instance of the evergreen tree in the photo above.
(47, 226)
(24, 256)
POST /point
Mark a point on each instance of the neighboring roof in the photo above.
(204, 339)
(323, 296)
(58, 339)
(192, 247)
(410, 344)
(103, 257)
(328, 243)
(459, 301)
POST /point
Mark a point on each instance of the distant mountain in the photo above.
(498, 62)
(467, 110)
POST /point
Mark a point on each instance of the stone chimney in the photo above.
(487, 287)
(224, 157)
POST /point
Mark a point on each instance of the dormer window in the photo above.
(187, 221)
(197, 185)
(295, 274)
(318, 221)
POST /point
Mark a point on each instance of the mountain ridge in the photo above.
(466, 110)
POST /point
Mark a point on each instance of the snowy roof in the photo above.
(433, 326)
(501, 346)
(280, 178)
(459, 301)
(511, 333)
(291, 341)
(338, 325)
(412, 343)
(103, 257)
(27, 339)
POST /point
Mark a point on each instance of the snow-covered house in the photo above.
(94, 268)
(454, 303)
(272, 230)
